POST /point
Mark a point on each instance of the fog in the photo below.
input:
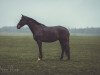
(67, 13)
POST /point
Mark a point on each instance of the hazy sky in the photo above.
(68, 13)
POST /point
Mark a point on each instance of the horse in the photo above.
(42, 33)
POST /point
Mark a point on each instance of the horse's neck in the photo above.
(34, 27)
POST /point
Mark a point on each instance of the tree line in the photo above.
(73, 31)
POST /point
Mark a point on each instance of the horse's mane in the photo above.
(35, 21)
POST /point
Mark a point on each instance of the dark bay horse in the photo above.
(42, 33)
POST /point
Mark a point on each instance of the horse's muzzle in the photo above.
(18, 26)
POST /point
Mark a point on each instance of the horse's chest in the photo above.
(37, 36)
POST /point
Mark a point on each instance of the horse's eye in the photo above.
(21, 20)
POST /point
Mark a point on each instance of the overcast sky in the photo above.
(68, 13)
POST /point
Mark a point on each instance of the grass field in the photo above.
(18, 56)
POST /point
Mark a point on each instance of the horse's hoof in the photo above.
(39, 59)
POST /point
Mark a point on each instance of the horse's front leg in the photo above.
(40, 50)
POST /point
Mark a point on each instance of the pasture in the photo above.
(18, 56)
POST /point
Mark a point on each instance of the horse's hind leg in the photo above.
(62, 53)
(65, 48)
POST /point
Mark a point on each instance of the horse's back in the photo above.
(54, 33)
(63, 32)
(60, 30)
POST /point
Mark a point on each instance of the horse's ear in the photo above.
(22, 15)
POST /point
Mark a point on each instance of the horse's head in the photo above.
(22, 22)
